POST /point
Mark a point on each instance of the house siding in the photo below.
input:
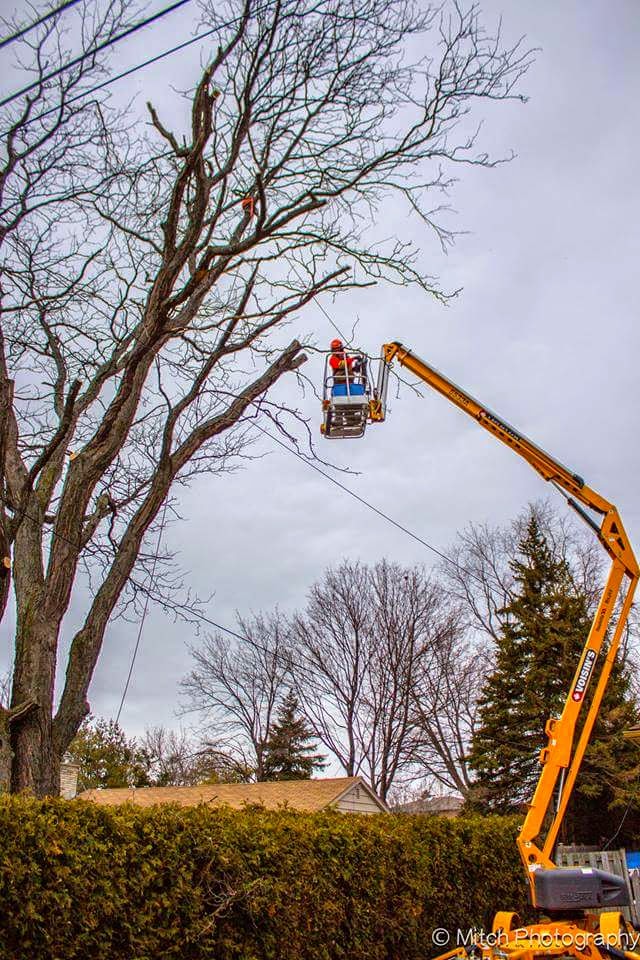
(357, 800)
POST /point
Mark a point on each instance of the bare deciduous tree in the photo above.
(332, 647)
(361, 647)
(175, 759)
(56, 148)
(139, 339)
(480, 579)
(236, 687)
(408, 623)
(445, 704)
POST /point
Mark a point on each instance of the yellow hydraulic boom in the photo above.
(565, 894)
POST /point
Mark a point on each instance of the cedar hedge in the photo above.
(82, 881)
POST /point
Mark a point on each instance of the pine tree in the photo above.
(605, 804)
(289, 749)
(543, 630)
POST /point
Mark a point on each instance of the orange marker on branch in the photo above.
(248, 205)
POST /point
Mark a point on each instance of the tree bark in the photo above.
(7, 719)
(34, 766)
(35, 763)
(6, 400)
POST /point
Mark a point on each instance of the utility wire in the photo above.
(139, 66)
(196, 614)
(318, 304)
(203, 618)
(144, 613)
(620, 825)
(633, 799)
(334, 325)
(37, 23)
(89, 53)
(125, 73)
(370, 506)
(327, 476)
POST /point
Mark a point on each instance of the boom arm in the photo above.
(558, 758)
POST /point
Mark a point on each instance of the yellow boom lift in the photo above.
(567, 896)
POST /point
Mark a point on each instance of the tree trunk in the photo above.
(6, 399)
(34, 765)
(7, 719)
(6, 754)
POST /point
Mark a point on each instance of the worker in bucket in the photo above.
(340, 362)
(348, 373)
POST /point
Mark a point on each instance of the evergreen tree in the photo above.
(106, 757)
(543, 630)
(289, 750)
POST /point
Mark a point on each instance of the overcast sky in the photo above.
(545, 332)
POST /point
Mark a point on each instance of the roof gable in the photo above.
(358, 782)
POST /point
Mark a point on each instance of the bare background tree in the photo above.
(446, 704)
(409, 626)
(388, 662)
(236, 689)
(138, 342)
(380, 664)
(480, 578)
(359, 649)
(332, 643)
(173, 758)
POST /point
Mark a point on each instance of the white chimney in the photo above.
(68, 780)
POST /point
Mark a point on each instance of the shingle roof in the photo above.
(632, 733)
(304, 795)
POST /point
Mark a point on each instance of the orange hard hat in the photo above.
(336, 344)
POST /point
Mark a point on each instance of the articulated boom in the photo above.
(565, 894)
(559, 760)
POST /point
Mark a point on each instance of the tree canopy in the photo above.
(148, 276)
(543, 628)
(107, 757)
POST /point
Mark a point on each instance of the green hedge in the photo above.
(82, 881)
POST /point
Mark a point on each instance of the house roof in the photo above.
(632, 733)
(303, 795)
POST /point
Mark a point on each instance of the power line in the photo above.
(89, 53)
(139, 66)
(318, 304)
(337, 483)
(144, 614)
(125, 73)
(370, 506)
(37, 23)
(334, 325)
(233, 633)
